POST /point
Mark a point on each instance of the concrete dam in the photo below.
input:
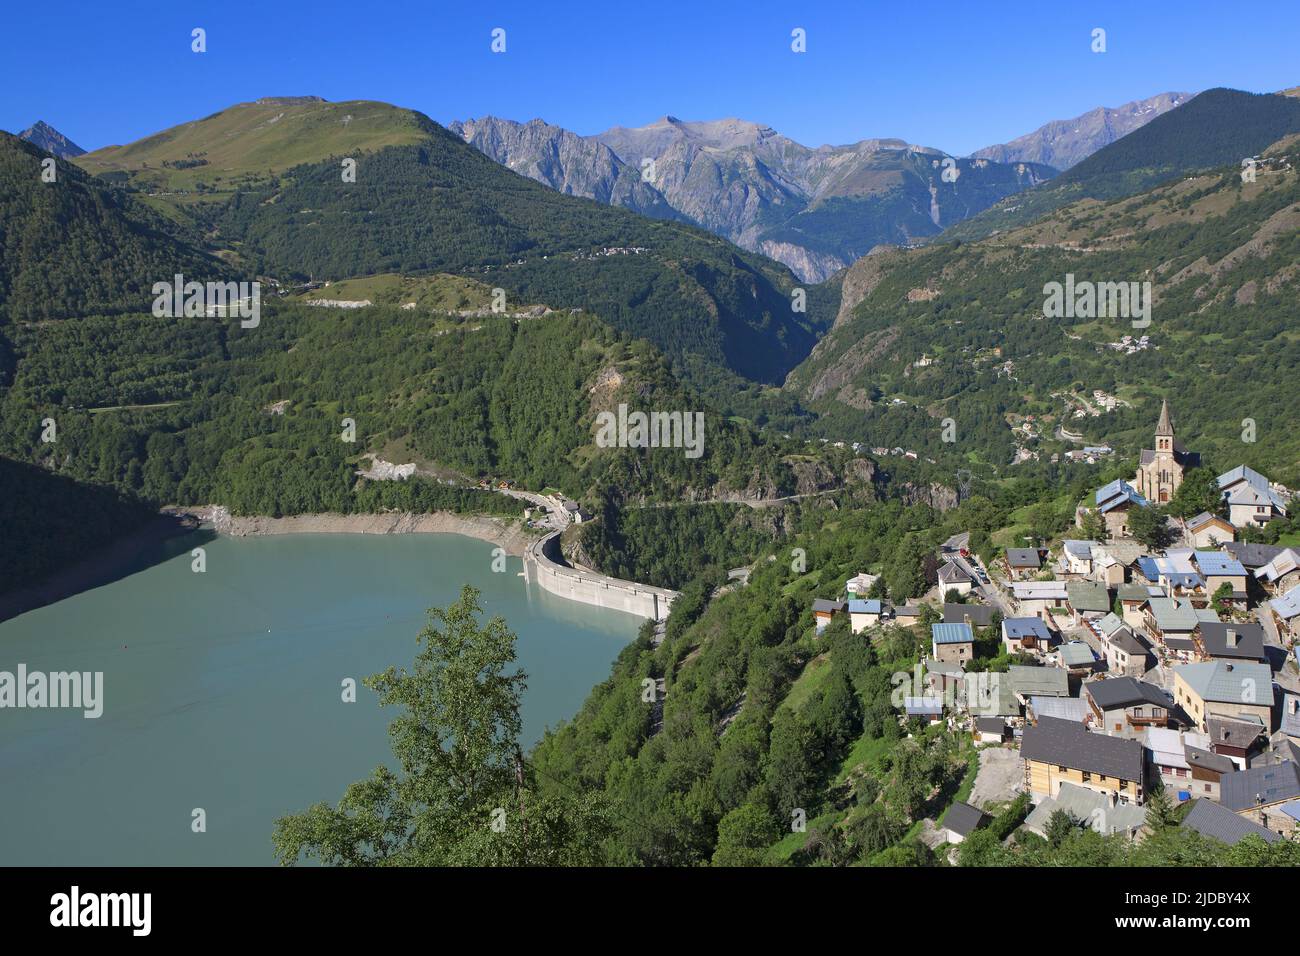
(544, 565)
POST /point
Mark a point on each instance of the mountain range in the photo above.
(814, 209)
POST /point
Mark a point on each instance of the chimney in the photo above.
(1232, 637)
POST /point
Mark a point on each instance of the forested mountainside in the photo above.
(814, 209)
(265, 183)
(958, 330)
(77, 246)
(1215, 128)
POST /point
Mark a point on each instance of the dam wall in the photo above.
(544, 565)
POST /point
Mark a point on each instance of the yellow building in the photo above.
(1160, 470)
(1057, 751)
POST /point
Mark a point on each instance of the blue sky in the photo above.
(957, 75)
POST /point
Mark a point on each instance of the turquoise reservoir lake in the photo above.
(222, 690)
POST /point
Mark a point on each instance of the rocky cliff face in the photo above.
(566, 162)
(1063, 143)
(816, 210)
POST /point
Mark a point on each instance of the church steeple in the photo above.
(1165, 427)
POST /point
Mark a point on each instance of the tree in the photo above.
(1198, 492)
(1222, 595)
(1092, 526)
(743, 835)
(1160, 811)
(1150, 525)
(462, 795)
(1060, 827)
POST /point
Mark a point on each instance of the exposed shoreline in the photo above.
(508, 533)
(122, 556)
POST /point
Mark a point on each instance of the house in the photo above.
(1160, 470)
(1029, 681)
(929, 709)
(1107, 570)
(1023, 563)
(1076, 658)
(953, 578)
(1076, 558)
(1251, 498)
(824, 612)
(1114, 503)
(1238, 740)
(1037, 598)
(859, 586)
(1167, 754)
(1124, 707)
(580, 515)
(1219, 823)
(1174, 572)
(864, 614)
(1088, 601)
(1219, 568)
(976, 615)
(1092, 809)
(1236, 689)
(907, 614)
(1209, 531)
(1132, 597)
(961, 821)
(1290, 720)
(1258, 794)
(991, 695)
(1282, 573)
(944, 678)
(1106, 625)
(1234, 642)
(1207, 772)
(990, 730)
(1286, 612)
(951, 642)
(1125, 553)
(1126, 653)
(1057, 752)
(1172, 622)
(1025, 635)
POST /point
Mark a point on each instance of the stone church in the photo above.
(1160, 471)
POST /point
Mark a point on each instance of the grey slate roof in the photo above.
(1084, 804)
(1088, 596)
(1196, 757)
(1260, 785)
(1250, 640)
(1252, 555)
(980, 615)
(1229, 682)
(1209, 819)
(1124, 692)
(1028, 680)
(1126, 642)
(1024, 558)
(1018, 628)
(1066, 708)
(990, 725)
(1067, 744)
(833, 607)
(964, 819)
(1231, 732)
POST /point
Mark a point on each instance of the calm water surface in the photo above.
(222, 689)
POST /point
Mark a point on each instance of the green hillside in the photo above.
(1215, 128)
(77, 246)
(1222, 344)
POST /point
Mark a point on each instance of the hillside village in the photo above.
(1131, 669)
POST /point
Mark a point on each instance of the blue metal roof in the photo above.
(1219, 562)
(864, 607)
(951, 633)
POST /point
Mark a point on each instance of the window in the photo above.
(1087, 775)
(1123, 786)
